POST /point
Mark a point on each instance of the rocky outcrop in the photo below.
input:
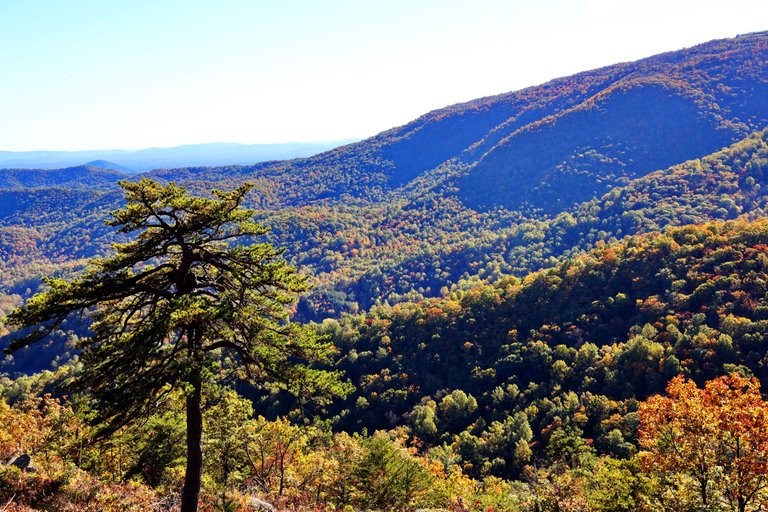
(23, 462)
(260, 505)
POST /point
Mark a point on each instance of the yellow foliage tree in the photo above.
(716, 435)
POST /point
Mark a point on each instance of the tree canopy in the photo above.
(180, 304)
(716, 435)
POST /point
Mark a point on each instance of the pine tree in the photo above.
(174, 304)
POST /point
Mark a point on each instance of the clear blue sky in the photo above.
(99, 74)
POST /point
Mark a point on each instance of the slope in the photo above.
(579, 135)
(664, 110)
(572, 348)
(405, 214)
(78, 178)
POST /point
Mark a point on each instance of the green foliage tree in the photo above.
(457, 408)
(390, 476)
(177, 303)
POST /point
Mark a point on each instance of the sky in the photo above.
(109, 74)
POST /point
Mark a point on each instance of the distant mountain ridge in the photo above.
(546, 148)
(502, 185)
(105, 164)
(157, 158)
(80, 177)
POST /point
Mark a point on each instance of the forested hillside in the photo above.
(501, 185)
(571, 349)
(531, 394)
(553, 299)
(82, 177)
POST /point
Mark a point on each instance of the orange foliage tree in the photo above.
(716, 435)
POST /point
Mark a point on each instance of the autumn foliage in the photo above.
(716, 435)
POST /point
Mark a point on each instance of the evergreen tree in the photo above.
(177, 302)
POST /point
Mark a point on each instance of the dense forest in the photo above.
(528, 394)
(399, 216)
(411, 248)
(519, 290)
(572, 347)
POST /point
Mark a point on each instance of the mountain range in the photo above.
(475, 192)
(139, 160)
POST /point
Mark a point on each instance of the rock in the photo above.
(23, 462)
(261, 505)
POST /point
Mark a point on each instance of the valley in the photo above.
(507, 283)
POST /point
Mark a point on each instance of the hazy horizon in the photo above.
(144, 159)
(191, 144)
(87, 75)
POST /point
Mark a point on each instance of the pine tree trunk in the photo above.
(190, 495)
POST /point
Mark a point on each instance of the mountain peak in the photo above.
(105, 164)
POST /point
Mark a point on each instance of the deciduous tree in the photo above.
(717, 434)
